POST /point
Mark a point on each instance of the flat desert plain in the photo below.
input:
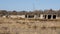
(29, 26)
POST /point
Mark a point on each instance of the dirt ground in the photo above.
(27, 26)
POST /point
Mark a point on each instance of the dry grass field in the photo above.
(29, 26)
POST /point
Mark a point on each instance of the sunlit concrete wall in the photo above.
(17, 16)
(41, 16)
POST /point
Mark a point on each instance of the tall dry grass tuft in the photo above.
(35, 27)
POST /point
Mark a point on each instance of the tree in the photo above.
(14, 12)
(4, 12)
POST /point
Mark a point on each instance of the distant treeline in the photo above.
(5, 12)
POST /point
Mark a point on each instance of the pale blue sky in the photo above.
(28, 4)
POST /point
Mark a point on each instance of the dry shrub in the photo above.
(23, 22)
(32, 22)
(29, 26)
(5, 28)
(1, 22)
(18, 22)
(9, 22)
(21, 18)
(35, 27)
(43, 27)
(17, 33)
(4, 33)
(53, 28)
